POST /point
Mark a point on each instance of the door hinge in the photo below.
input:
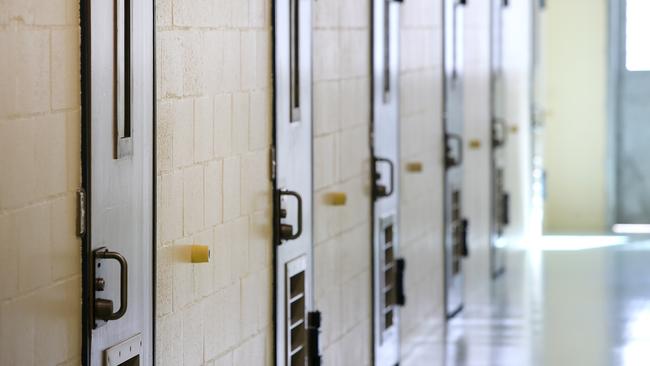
(273, 164)
(81, 212)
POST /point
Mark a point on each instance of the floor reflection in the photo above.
(553, 307)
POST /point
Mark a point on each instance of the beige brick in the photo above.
(256, 185)
(65, 66)
(17, 162)
(214, 71)
(183, 138)
(183, 269)
(260, 122)
(326, 51)
(231, 188)
(354, 14)
(171, 50)
(232, 60)
(164, 135)
(193, 81)
(193, 13)
(212, 314)
(240, 13)
(225, 360)
(164, 281)
(237, 237)
(221, 257)
(352, 62)
(203, 128)
(169, 333)
(203, 272)
(222, 125)
(327, 274)
(213, 193)
(326, 13)
(249, 60)
(17, 337)
(241, 116)
(193, 199)
(250, 288)
(192, 336)
(25, 75)
(231, 314)
(327, 108)
(264, 54)
(50, 154)
(325, 161)
(8, 260)
(251, 352)
(31, 234)
(170, 207)
(259, 13)
(353, 252)
(73, 149)
(355, 102)
(260, 234)
(65, 244)
(163, 13)
(354, 153)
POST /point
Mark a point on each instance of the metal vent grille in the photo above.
(389, 277)
(295, 321)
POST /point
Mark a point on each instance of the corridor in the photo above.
(585, 304)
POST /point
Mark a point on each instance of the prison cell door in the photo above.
(455, 236)
(118, 125)
(631, 115)
(388, 269)
(296, 322)
(500, 199)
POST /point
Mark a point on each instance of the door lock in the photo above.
(451, 161)
(380, 189)
(286, 231)
(103, 308)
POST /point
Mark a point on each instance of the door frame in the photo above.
(84, 193)
(615, 48)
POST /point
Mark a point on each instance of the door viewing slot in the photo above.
(123, 145)
(387, 86)
(294, 33)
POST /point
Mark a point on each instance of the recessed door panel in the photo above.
(296, 322)
(455, 236)
(500, 199)
(388, 268)
(118, 178)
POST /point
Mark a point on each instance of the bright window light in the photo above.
(577, 242)
(637, 49)
(631, 229)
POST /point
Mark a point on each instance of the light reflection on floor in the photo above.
(589, 306)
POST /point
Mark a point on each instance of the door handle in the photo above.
(380, 189)
(103, 308)
(464, 245)
(286, 230)
(505, 209)
(449, 160)
(499, 134)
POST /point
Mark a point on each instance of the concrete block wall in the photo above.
(40, 171)
(421, 193)
(342, 234)
(214, 106)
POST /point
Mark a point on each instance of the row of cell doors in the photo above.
(118, 171)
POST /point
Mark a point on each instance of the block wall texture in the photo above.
(40, 171)
(421, 202)
(342, 234)
(214, 61)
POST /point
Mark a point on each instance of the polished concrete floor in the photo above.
(577, 302)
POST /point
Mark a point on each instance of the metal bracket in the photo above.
(81, 212)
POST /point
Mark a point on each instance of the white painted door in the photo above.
(296, 322)
(388, 268)
(118, 170)
(632, 174)
(500, 198)
(455, 224)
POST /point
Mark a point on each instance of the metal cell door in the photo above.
(500, 198)
(296, 322)
(631, 113)
(455, 227)
(388, 268)
(118, 120)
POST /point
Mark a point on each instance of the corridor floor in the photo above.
(587, 304)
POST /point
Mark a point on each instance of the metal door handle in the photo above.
(450, 161)
(380, 190)
(103, 253)
(498, 139)
(464, 244)
(286, 231)
(313, 333)
(401, 294)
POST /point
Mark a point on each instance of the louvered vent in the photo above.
(389, 273)
(296, 331)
